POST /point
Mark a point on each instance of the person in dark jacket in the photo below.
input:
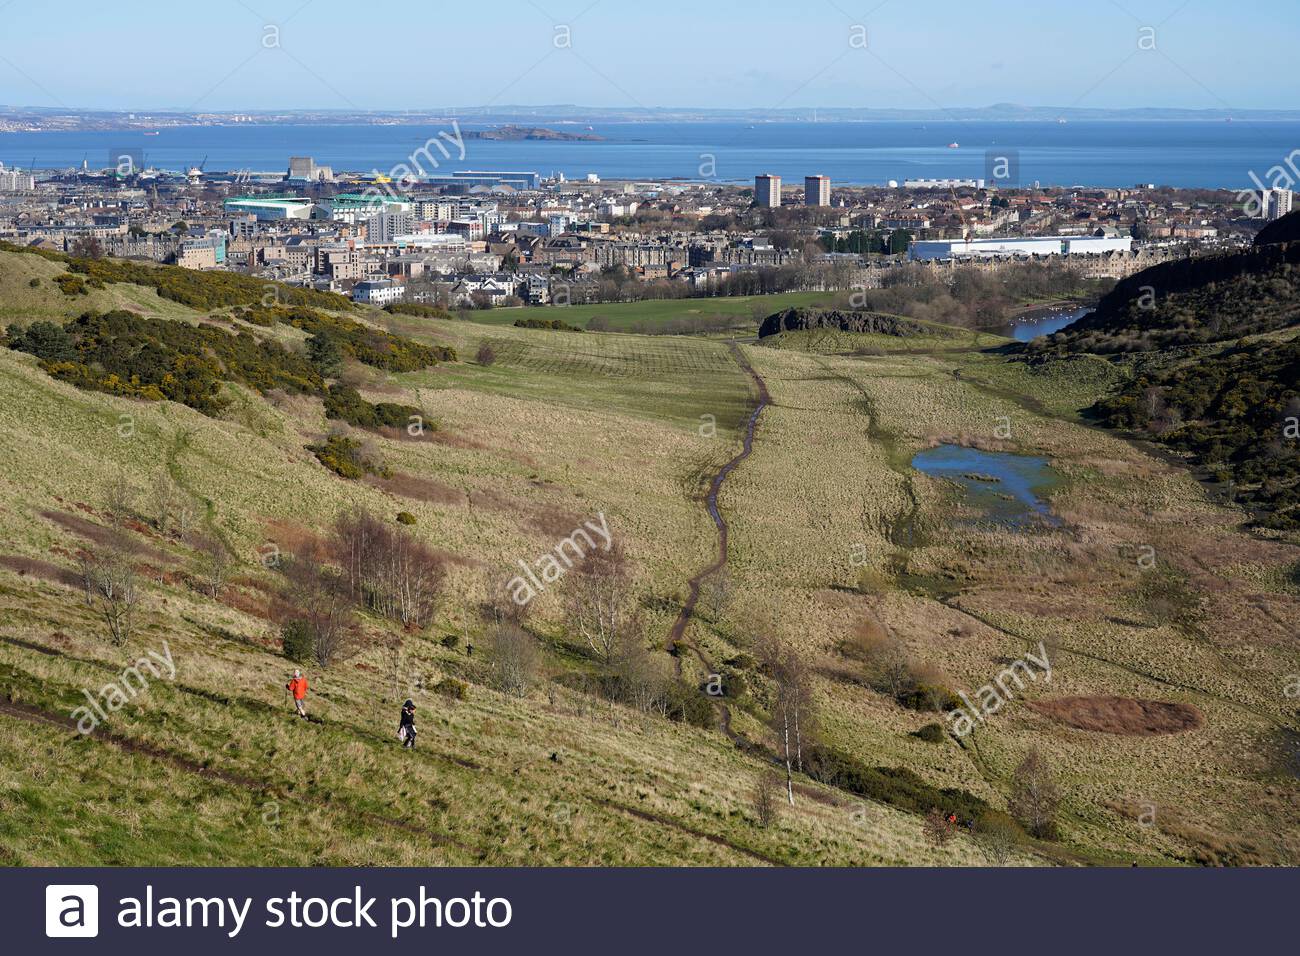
(406, 729)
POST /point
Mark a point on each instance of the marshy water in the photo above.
(1033, 324)
(1005, 487)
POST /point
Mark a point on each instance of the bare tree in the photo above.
(766, 804)
(516, 657)
(388, 569)
(997, 837)
(600, 605)
(108, 574)
(1035, 796)
(318, 596)
(938, 828)
(394, 646)
(172, 509)
(793, 714)
(214, 563)
(641, 676)
(715, 593)
(119, 499)
(888, 665)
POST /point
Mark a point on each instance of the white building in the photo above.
(767, 190)
(943, 184)
(944, 249)
(1276, 203)
(16, 181)
(379, 292)
(270, 209)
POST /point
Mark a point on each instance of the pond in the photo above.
(1033, 324)
(1004, 486)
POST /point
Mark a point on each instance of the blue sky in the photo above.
(269, 54)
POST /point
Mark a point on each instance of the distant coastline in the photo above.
(525, 119)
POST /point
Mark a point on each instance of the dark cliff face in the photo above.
(1191, 301)
(1286, 229)
(800, 320)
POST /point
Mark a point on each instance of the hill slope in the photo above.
(830, 530)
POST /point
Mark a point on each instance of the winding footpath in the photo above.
(676, 636)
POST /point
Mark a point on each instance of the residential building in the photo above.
(379, 292)
(388, 225)
(1277, 203)
(817, 191)
(767, 190)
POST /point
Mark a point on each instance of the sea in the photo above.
(1219, 154)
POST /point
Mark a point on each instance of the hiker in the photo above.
(297, 686)
(406, 729)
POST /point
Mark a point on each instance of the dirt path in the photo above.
(677, 636)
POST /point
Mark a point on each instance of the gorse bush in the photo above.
(552, 324)
(369, 346)
(126, 354)
(122, 353)
(417, 309)
(344, 456)
(344, 403)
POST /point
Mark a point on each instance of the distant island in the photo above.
(512, 133)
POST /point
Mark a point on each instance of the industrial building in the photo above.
(767, 190)
(465, 180)
(817, 191)
(304, 169)
(943, 184)
(925, 250)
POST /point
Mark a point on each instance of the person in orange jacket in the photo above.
(297, 686)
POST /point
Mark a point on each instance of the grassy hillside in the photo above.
(830, 529)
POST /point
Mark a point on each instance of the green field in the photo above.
(624, 314)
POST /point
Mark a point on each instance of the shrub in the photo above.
(405, 517)
(47, 341)
(70, 284)
(930, 733)
(344, 403)
(417, 309)
(344, 457)
(487, 355)
(897, 786)
(122, 353)
(451, 642)
(34, 284)
(939, 828)
(552, 324)
(298, 641)
(324, 353)
(685, 704)
(929, 697)
(452, 688)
